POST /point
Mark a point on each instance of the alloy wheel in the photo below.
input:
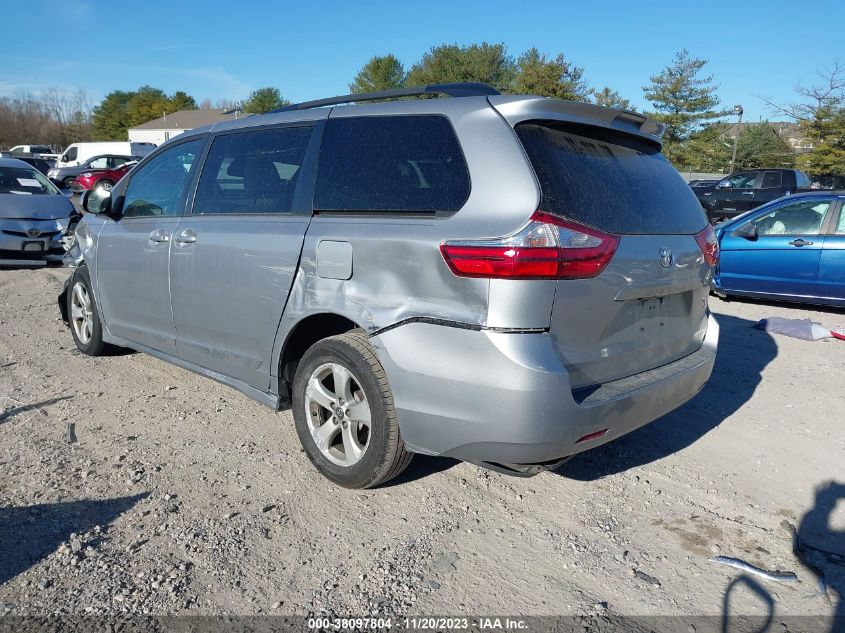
(338, 414)
(81, 313)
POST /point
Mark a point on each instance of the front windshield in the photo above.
(23, 181)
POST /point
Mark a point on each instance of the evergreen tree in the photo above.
(557, 78)
(611, 99)
(263, 100)
(485, 63)
(683, 100)
(380, 73)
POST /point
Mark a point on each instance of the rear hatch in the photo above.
(648, 307)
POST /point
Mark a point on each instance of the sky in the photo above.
(309, 50)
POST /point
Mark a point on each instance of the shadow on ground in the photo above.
(29, 534)
(742, 355)
(421, 467)
(833, 310)
(819, 553)
(821, 536)
(23, 408)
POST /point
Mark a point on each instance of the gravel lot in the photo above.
(182, 496)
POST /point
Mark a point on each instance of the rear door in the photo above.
(649, 306)
(235, 255)
(784, 258)
(832, 264)
(773, 185)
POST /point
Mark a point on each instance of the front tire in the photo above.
(344, 414)
(104, 185)
(84, 319)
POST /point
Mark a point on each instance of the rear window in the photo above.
(609, 181)
(771, 180)
(408, 164)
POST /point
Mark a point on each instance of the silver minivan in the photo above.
(506, 280)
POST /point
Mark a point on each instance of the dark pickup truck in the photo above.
(745, 190)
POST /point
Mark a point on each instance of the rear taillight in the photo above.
(547, 247)
(709, 245)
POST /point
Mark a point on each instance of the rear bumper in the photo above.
(505, 398)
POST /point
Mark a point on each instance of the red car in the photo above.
(100, 178)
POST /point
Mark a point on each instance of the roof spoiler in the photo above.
(518, 109)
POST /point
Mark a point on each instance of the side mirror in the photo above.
(724, 184)
(747, 230)
(97, 201)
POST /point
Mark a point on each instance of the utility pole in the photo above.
(738, 112)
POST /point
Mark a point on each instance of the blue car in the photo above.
(791, 249)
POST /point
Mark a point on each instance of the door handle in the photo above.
(747, 193)
(186, 236)
(158, 236)
(800, 242)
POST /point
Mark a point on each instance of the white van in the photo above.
(77, 153)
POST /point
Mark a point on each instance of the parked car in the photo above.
(703, 189)
(40, 164)
(102, 178)
(746, 190)
(792, 249)
(64, 176)
(504, 280)
(34, 215)
(78, 153)
(30, 149)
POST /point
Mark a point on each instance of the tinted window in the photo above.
(391, 163)
(798, 218)
(771, 180)
(70, 154)
(610, 181)
(157, 188)
(252, 172)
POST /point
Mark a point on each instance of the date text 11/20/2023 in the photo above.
(417, 623)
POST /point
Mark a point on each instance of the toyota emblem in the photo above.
(33, 232)
(666, 257)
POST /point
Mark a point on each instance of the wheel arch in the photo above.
(301, 336)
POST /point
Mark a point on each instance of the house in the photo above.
(166, 127)
(789, 132)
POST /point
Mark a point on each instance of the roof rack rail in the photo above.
(463, 89)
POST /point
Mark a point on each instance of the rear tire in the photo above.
(344, 414)
(66, 183)
(83, 316)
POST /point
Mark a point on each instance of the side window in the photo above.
(252, 172)
(391, 163)
(157, 188)
(743, 180)
(771, 180)
(99, 163)
(70, 155)
(799, 218)
(840, 227)
(116, 161)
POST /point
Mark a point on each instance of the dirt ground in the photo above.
(183, 496)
